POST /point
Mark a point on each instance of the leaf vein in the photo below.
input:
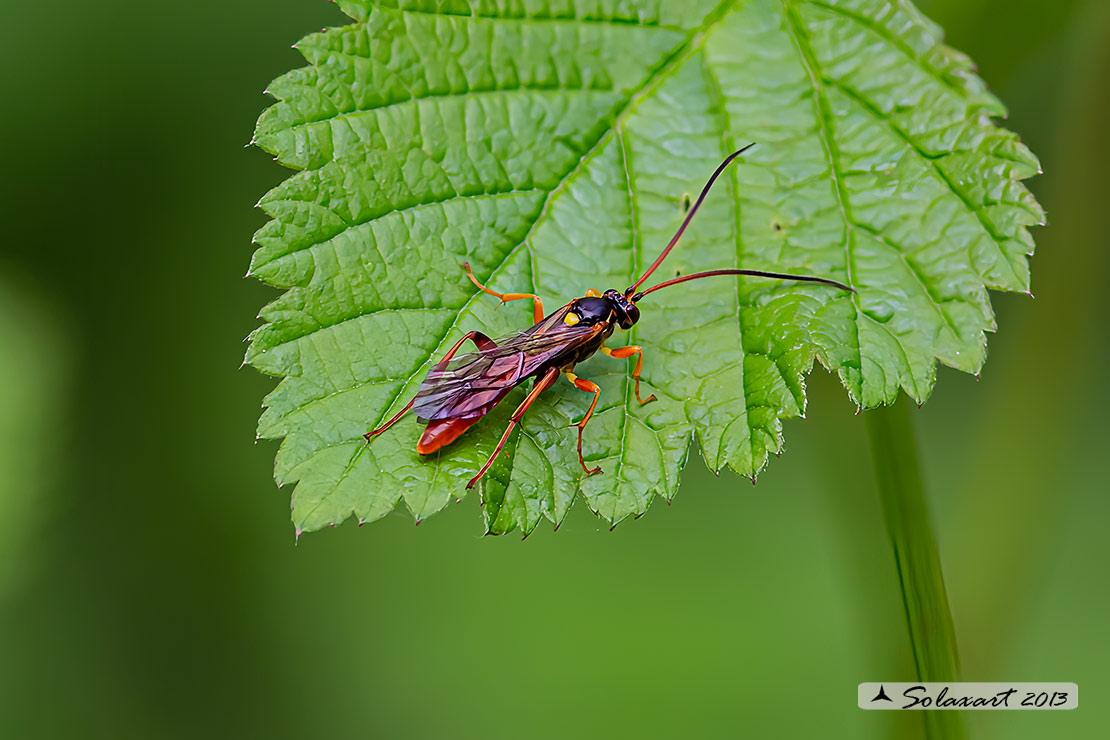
(823, 115)
(933, 164)
(492, 195)
(894, 40)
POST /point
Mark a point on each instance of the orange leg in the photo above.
(537, 304)
(541, 385)
(481, 341)
(589, 387)
(591, 293)
(622, 353)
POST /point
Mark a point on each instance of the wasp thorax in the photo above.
(590, 311)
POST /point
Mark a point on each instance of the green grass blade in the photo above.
(928, 619)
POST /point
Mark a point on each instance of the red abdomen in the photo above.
(440, 432)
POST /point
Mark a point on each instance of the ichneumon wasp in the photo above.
(458, 391)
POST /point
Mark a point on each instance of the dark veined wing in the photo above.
(470, 385)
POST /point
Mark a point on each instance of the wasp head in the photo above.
(623, 309)
(612, 306)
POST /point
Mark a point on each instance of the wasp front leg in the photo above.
(584, 385)
(622, 353)
(537, 304)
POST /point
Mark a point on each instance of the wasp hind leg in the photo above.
(541, 385)
(481, 341)
(537, 304)
(623, 353)
(589, 387)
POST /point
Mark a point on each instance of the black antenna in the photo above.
(753, 273)
(689, 217)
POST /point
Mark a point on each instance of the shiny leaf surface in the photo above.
(554, 147)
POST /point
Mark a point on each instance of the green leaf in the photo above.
(553, 145)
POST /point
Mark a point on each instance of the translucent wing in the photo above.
(469, 385)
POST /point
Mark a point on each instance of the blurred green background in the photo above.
(149, 583)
